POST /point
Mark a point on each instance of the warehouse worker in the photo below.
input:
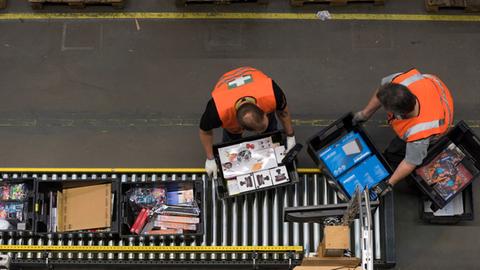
(419, 109)
(243, 99)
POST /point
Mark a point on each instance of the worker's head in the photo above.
(252, 118)
(397, 99)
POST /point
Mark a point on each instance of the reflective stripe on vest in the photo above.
(443, 96)
(423, 127)
(412, 79)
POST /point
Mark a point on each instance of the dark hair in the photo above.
(255, 116)
(396, 98)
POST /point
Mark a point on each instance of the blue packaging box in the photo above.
(344, 153)
(368, 173)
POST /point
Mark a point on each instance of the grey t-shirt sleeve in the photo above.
(389, 78)
(416, 151)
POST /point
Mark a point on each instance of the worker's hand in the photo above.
(290, 143)
(359, 117)
(381, 189)
(211, 168)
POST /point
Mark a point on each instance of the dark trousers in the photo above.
(394, 154)
(272, 126)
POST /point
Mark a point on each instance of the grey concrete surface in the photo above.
(105, 93)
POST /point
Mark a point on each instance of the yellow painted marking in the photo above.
(153, 248)
(120, 170)
(236, 16)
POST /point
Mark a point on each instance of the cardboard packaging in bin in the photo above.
(77, 206)
(451, 165)
(254, 163)
(347, 155)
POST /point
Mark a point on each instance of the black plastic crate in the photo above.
(468, 212)
(42, 189)
(331, 134)
(128, 215)
(28, 205)
(464, 138)
(220, 182)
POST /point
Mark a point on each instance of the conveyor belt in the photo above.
(253, 220)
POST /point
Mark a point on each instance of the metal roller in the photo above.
(131, 242)
(19, 255)
(161, 256)
(245, 221)
(90, 243)
(80, 243)
(213, 256)
(101, 255)
(376, 228)
(152, 255)
(286, 232)
(205, 211)
(275, 222)
(111, 255)
(234, 226)
(60, 243)
(255, 220)
(306, 226)
(316, 201)
(121, 255)
(30, 254)
(39, 243)
(296, 226)
(224, 227)
(172, 244)
(265, 223)
(141, 242)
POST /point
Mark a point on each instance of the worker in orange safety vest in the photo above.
(419, 109)
(244, 99)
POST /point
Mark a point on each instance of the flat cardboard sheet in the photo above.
(84, 208)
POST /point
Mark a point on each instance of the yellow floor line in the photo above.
(119, 170)
(235, 15)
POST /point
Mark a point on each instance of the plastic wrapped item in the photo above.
(17, 192)
(179, 210)
(147, 197)
(11, 211)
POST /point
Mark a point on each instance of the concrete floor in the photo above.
(104, 93)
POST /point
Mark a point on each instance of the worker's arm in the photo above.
(402, 171)
(372, 106)
(206, 137)
(286, 120)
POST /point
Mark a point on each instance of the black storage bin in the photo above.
(220, 182)
(42, 189)
(128, 214)
(464, 138)
(333, 133)
(28, 202)
(468, 212)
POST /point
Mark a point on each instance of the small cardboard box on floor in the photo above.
(330, 252)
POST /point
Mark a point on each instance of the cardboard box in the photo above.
(84, 208)
(335, 240)
(329, 263)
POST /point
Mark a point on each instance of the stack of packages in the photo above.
(253, 165)
(12, 206)
(163, 211)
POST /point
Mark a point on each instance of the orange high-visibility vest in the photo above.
(436, 107)
(237, 86)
